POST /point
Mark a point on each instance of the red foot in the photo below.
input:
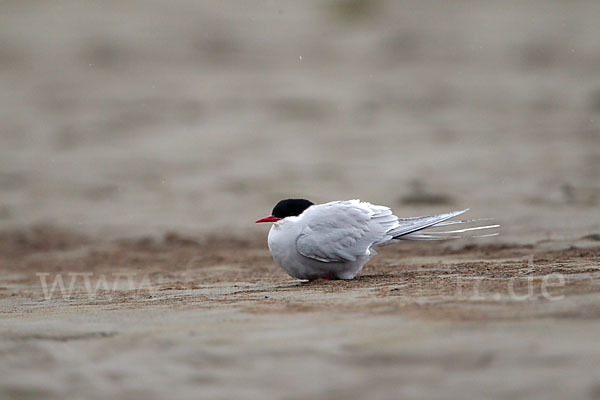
(327, 278)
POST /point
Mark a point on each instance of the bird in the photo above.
(335, 240)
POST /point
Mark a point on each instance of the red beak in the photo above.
(270, 218)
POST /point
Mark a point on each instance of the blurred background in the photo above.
(136, 117)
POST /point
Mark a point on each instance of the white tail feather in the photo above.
(464, 230)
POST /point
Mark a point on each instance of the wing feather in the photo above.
(410, 225)
(343, 231)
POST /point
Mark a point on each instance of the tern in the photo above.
(335, 240)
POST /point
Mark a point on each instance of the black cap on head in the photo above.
(290, 207)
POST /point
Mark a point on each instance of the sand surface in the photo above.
(181, 318)
(140, 139)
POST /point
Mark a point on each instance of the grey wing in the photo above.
(410, 225)
(409, 228)
(343, 231)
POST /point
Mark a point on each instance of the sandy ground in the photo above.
(216, 318)
(140, 139)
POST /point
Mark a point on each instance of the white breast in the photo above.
(282, 244)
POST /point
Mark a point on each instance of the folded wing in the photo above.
(343, 231)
